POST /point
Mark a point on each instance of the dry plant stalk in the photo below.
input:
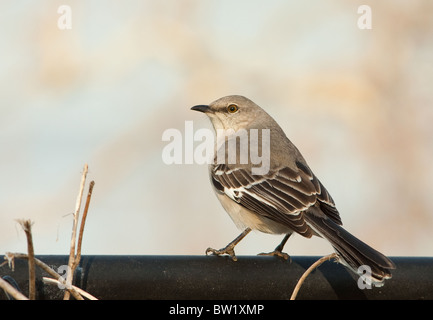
(11, 290)
(83, 222)
(69, 275)
(11, 256)
(79, 290)
(74, 258)
(75, 255)
(308, 271)
(27, 227)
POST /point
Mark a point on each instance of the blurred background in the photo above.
(358, 103)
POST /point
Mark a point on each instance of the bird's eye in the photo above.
(232, 108)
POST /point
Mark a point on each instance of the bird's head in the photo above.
(234, 112)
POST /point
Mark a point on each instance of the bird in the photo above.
(286, 198)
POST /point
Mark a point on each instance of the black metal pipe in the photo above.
(220, 278)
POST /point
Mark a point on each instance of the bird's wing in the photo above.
(281, 195)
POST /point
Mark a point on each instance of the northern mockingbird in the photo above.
(286, 198)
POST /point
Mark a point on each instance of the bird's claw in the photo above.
(277, 253)
(227, 250)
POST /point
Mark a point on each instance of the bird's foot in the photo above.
(277, 253)
(229, 250)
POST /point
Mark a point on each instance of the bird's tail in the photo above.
(353, 252)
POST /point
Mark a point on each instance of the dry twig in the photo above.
(308, 271)
(47, 269)
(69, 275)
(27, 227)
(74, 258)
(12, 291)
(83, 222)
(79, 290)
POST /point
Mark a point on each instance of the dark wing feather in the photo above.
(282, 195)
(325, 201)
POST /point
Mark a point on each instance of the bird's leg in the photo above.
(229, 249)
(279, 249)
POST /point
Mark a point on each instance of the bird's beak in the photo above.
(201, 108)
